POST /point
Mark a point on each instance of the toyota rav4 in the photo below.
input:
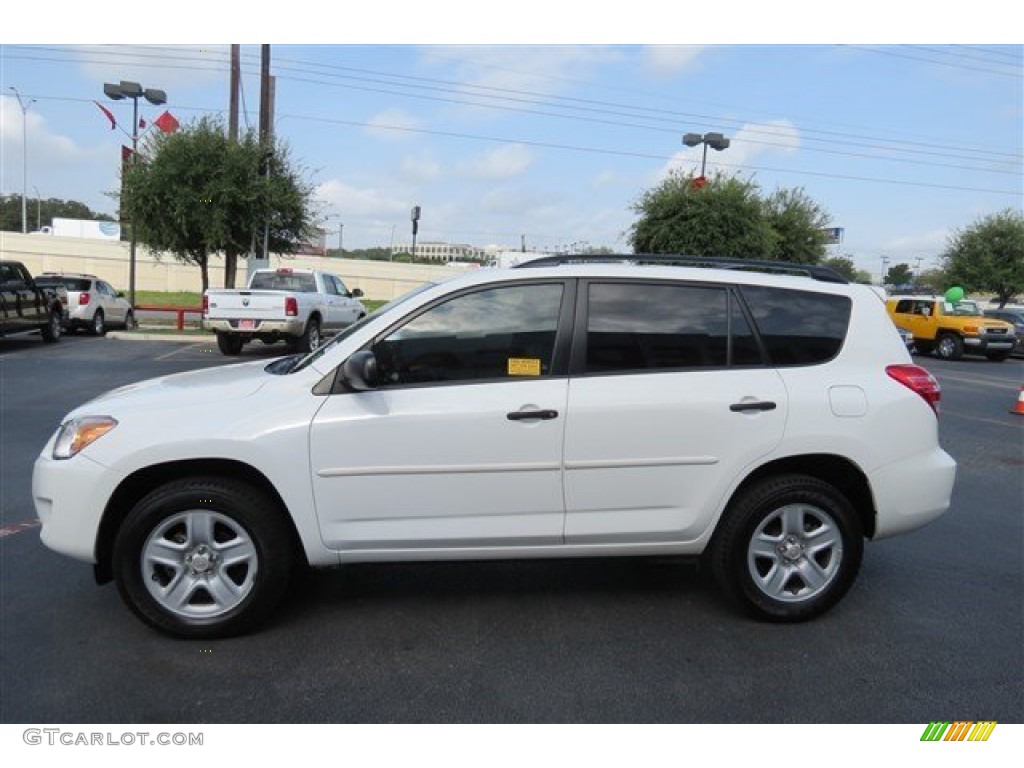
(768, 423)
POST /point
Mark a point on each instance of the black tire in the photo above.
(788, 548)
(997, 357)
(203, 557)
(229, 343)
(52, 330)
(98, 324)
(129, 321)
(310, 338)
(949, 346)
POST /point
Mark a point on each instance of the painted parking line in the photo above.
(13, 528)
(188, 348)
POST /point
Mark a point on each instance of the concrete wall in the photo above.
(109, 260)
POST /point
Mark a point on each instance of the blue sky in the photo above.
(901, 143)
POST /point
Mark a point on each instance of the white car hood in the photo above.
(180, 390)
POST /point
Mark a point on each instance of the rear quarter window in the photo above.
(798, 327)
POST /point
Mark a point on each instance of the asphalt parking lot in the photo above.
(933, 630)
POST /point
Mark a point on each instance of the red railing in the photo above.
(180, 311)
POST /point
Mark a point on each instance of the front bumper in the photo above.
(70, 496)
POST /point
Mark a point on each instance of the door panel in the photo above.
(648, 456)
(440, 466)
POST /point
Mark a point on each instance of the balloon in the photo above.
(954, 294)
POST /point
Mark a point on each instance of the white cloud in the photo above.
(392, 125)
(518, 202)
(504, 162)
(420, 169)
(521, 72)
(336, 196)
(664, 61)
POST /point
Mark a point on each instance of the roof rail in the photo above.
(825, 274)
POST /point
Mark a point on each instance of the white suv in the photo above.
(769, 423)
(93, 304)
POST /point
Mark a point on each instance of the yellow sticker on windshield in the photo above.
(523, 366)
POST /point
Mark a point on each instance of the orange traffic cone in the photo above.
(1018, 407)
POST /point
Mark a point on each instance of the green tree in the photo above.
(40, 213)
(727, 217)
(934, 280)
(899, 274)
(196, 193)
(988, 255)
(798, 223)
(844, 266)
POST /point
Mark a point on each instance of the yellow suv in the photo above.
(951, 329)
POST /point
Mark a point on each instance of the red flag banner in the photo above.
(167, 123)
(108, 113)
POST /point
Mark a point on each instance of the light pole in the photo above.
(716, 141)
(127, 89)
(24, 156)
(341, 229)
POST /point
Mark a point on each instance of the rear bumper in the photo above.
(912, 492)
(289, 327)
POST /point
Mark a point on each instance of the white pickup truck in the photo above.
(293, 305)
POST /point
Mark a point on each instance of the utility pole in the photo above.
(236, 78)
(266, 144)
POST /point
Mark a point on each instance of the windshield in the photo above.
(961, 309)
(316, 354)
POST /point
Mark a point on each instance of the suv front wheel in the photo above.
(203, 557)
(788, 548)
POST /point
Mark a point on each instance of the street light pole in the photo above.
(716, 141)
(24, 157)
(127, 89)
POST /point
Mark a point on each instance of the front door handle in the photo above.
(754, 405)
(526, 415)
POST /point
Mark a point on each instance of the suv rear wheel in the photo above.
(788, 548)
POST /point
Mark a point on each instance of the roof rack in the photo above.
(825, 274)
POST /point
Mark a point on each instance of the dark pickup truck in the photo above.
(26, 307)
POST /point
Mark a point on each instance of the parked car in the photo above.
(292, 305)
(93, 304)
(767, 423)
(27, 306)
(951, 329)
(1014, 316)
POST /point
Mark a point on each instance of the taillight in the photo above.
(291, 306)
(83, 299)
(206, 305)
(917, 379)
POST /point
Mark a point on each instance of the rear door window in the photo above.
(634, 326)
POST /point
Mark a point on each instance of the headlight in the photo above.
(76, 434)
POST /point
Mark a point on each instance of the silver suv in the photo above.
(769, 423)
(93, 304)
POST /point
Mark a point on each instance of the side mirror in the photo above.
(359, 372)
(356, 293)
(120, 294)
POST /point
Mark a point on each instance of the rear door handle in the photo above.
(526, 415)
(756, 405)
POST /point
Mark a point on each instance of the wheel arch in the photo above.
(136, 485)
(837, 471)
